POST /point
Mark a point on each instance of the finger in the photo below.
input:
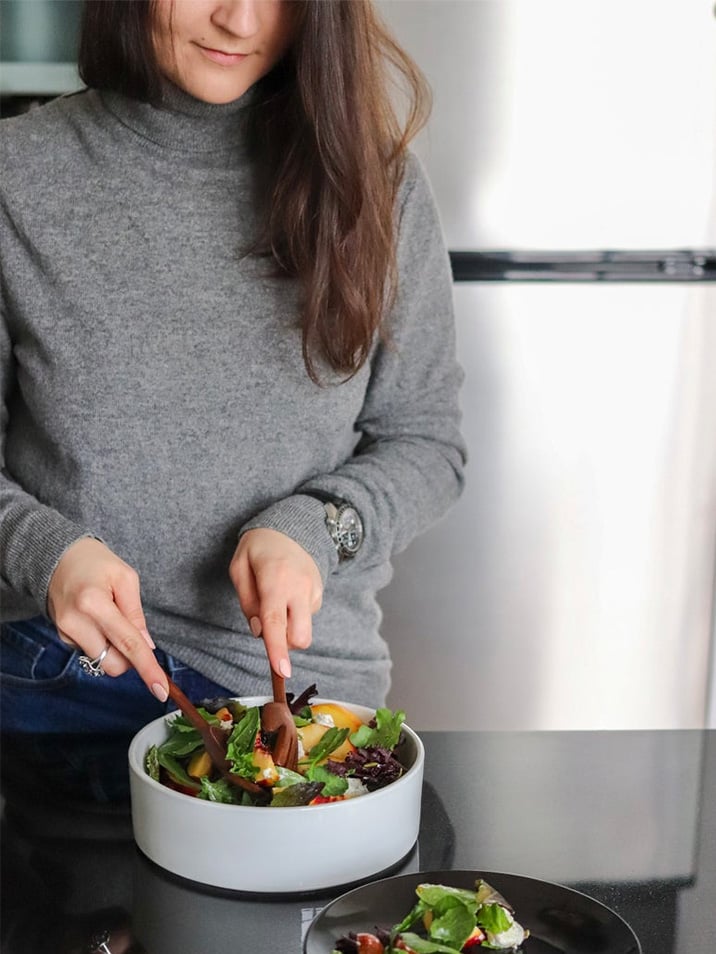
(65, 638)
(300, 625)
(113, 664)
(129, 602)
(244, 581)
(274, 625)
(89, 639)
(131, 644)
(301, 611)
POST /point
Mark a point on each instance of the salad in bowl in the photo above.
(340, 756)
(189, 823)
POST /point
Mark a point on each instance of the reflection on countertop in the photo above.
(580, 809)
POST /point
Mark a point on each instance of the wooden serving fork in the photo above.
(276, 717)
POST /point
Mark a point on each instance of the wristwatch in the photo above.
(343, 522)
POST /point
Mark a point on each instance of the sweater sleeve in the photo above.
(407, 469)
(33, 536)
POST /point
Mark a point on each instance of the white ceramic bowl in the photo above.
(275, 850)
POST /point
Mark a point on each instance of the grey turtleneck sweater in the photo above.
(154, 393)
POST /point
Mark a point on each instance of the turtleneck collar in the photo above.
(181, 122)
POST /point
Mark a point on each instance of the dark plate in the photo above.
(559, 919)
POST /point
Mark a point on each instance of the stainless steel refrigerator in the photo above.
(572, 150)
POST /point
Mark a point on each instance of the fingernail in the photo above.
(255, 624)
(145, 633)
(284, 667)
(160, 692)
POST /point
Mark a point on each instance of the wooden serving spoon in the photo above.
(214, 741)
(276, 717)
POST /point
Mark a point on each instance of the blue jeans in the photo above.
(43, 688)
(65, 733)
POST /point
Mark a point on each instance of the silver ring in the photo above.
(93, 667)
(99, 943)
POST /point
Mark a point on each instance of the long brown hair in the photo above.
(332, 152)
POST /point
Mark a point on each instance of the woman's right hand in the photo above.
(93, 599)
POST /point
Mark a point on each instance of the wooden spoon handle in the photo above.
(188, 708)
(279, 687)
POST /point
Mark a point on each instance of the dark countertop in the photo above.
(626, 817)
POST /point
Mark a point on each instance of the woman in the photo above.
(228, 371)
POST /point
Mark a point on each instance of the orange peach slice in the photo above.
(342, 718)
(311, 733)
(266, 773)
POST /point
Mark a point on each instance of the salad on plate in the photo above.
(339, 756)
(444, 920)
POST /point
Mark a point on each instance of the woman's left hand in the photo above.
(279, 588)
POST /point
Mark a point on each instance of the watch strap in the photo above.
(323, 497)
(334, 507)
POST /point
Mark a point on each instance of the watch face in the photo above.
(349, 530)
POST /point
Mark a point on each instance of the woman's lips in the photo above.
(223, 59)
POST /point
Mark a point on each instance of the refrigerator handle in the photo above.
(667, 265)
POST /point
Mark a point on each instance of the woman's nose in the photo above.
(240, 17)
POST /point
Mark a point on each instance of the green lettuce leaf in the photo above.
(286, 777)
(410, 918)
(176, 770)
(328, 742)
(183, 738)
(220, 791)
(240, 747)
(385, 734)
(332, 784)
(151, 763)
(243, 735)
(494, 918)
(182, 724)
(296, 795)
(181, 743)
(441, 897)
(453, 927)
(423, 945)
(243, 765)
